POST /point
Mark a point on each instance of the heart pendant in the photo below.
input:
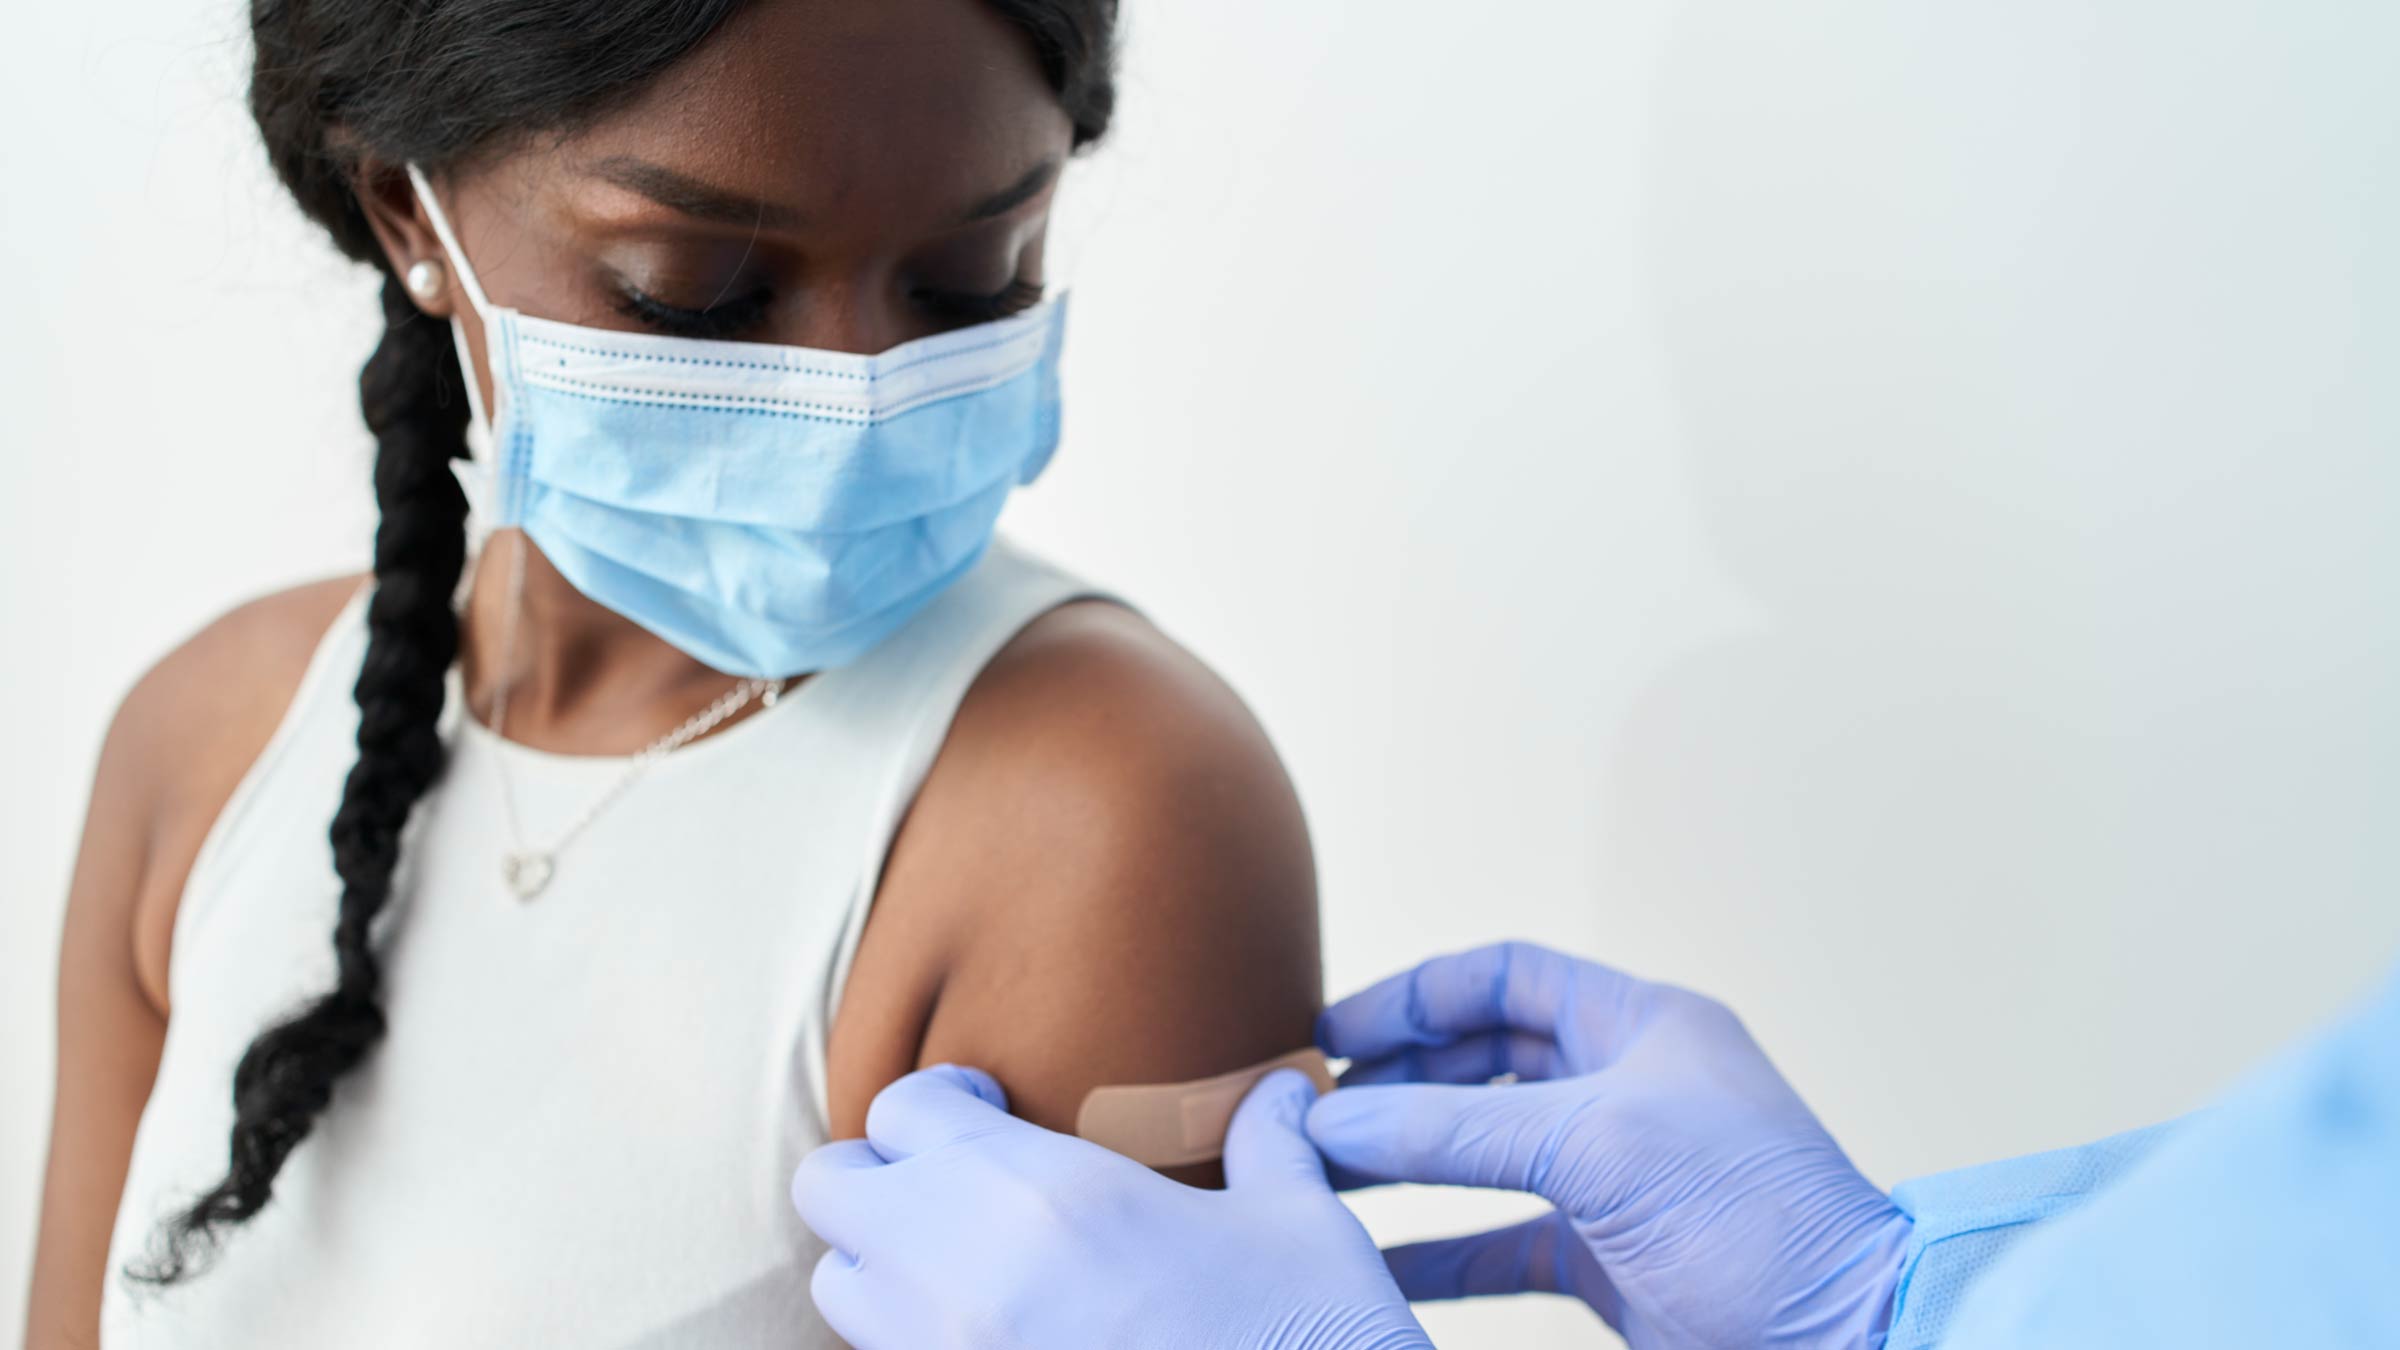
(526, 873)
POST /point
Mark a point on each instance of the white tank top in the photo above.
(581, 1126)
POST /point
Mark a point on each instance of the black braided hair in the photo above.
(436, 81)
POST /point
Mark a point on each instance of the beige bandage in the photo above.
(1174, 1124)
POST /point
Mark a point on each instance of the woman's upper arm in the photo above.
(110, 1026)
(179, 742)
(1106, 879)
(109, 1037)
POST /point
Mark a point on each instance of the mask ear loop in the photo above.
(479, 437)
(480, 445)
(492, 495)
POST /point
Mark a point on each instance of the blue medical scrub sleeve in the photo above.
(1966, 1220)
(2272, 1218)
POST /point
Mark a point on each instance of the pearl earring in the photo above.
(424, 279)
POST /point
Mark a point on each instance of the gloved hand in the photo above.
(1698, 1202)
(955, 1224)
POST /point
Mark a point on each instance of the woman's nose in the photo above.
(863, 316)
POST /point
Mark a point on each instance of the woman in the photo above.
(728, 777)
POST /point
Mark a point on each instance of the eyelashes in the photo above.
(743, 313)
(722, 319)
(1014, 298)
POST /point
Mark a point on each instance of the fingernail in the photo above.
(980, 1083)
(1294, 1091)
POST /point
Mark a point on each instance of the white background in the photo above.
(1881, 511)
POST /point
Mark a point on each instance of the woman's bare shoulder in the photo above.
(1092, 697)
(1106, 877)
(190, 728)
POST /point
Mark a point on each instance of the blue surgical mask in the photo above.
(769, 510)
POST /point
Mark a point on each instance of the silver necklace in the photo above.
(527, 870)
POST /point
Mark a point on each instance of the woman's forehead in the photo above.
(844, 107)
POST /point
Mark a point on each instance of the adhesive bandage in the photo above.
(1175, 1124)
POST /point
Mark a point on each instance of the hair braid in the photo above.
(413, 402)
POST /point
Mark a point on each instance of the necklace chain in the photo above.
(528, 870)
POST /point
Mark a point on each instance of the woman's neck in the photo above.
(587, 680)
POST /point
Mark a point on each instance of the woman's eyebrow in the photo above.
(705, 201)
(689, 195)
(1014, 195)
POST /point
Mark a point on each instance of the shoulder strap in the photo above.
(330, 667)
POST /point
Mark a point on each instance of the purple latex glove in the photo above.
(1698, 1201)
(956, 1224)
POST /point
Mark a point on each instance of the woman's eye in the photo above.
(1016, 297)
(729, 318)
(721, 318)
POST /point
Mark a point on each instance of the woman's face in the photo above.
(841, 174)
